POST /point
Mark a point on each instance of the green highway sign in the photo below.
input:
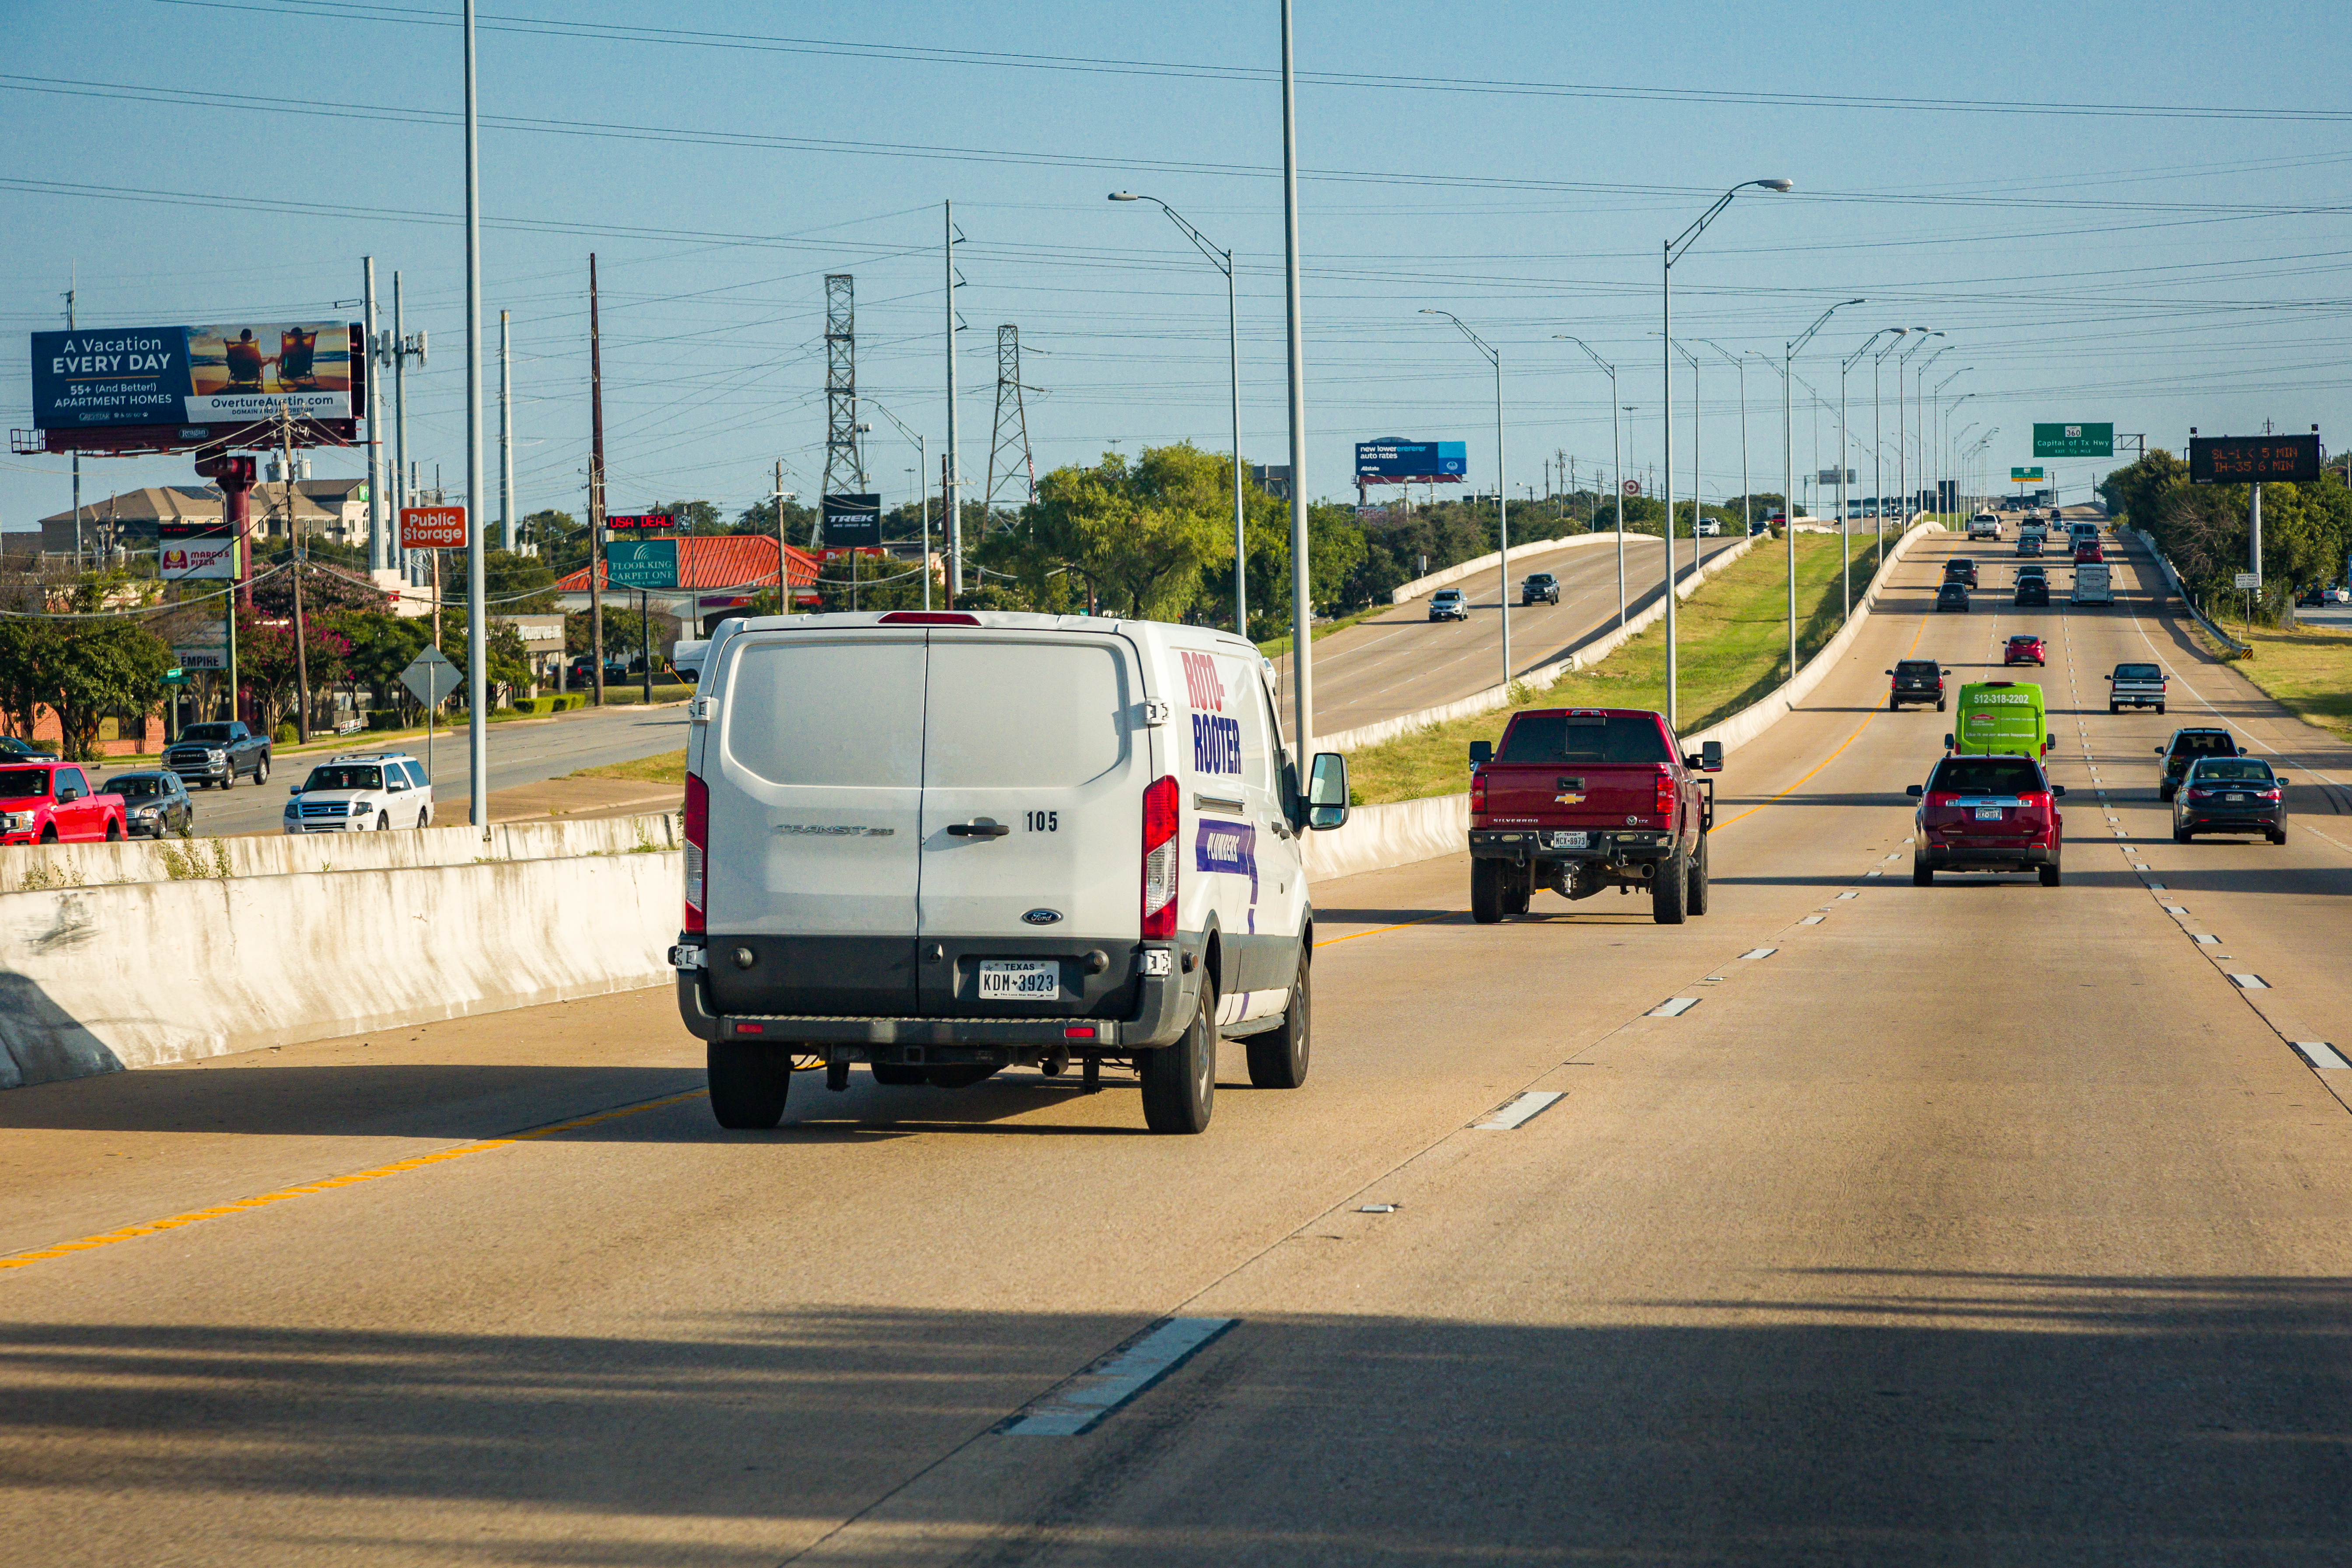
(2023, 476)
(641, 562)
(175, 678)
(2073, 441)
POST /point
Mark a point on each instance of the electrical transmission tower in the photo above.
(845, 460)
(1012, 439)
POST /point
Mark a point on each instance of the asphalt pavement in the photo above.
(1981, 1223)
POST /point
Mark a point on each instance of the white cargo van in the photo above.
(2092, 585)
(941, 843)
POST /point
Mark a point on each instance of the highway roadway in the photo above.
(1982, 1222)
(1402, 662)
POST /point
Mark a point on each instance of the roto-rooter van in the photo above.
(942, 844)
(2000, 717)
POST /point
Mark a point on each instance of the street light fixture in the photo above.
(1617, 459)
(1670, 253)
(1223, 261)
(1502, 490)
(1789, 462)
(1902, 417)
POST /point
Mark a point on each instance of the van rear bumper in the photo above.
(1166, 1006)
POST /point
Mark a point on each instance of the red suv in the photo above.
(2088, 553)
(1987, 813)
(2024, 649)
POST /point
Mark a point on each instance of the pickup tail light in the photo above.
(1159, 859)
(1478, 794)
(698, 839)
(1665, 803)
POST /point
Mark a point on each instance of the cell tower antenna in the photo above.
(844, 458)
(1012, 424)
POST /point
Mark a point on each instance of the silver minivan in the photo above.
(942, 844)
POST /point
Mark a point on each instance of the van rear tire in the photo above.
(1180, 1079)
(1669, 890)
(748, 1084)
(1486, 891)
(1278, 1058)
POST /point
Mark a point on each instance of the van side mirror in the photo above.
(1481, 753)
(1326, 792)
(1916, 791)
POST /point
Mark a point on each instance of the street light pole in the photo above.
(1301, 616)
(1502, 489)
(1223, 262)
(1669, 253)
(478, 693)
(1844, 447)
(1617, 463)
(1789, 462)
(1902, 415)
(922, 490)
(1697, 504)
(1746, 507)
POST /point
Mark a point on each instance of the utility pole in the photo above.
(377, 553)
(506, 438)
(954, 455)
(73, 287)
(477, 653)
(294, 555)
(596, 489)
(783, 577)
(1302, 684)
(401, 487)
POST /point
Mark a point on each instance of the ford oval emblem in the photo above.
(1042, 916)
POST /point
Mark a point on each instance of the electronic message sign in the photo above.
(2253, 460)
(125, 376)
(1393, 462)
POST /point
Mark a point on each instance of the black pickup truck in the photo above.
(214, 754)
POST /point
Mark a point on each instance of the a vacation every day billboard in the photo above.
(190, 375)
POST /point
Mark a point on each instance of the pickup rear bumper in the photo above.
(1541, 845)
(2138, 697)
(1990, 858)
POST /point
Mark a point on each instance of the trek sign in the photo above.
(2074, 440)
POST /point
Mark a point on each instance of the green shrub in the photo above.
(285, 734)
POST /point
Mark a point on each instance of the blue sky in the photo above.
(1959, 168)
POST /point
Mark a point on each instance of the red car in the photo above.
(2025, 648)
(2088, 553)
(1987, 813)
(51, 803)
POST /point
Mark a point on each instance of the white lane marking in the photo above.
(2321, 1055)
(2249, 982)
(1673, 1007)
(1378, 1208)
(1810, 920)
(1759, 953)
(2155, 886)
(1849, 895)
(2174, 910)
(1078, 1404)
(1873, 871)
(2208, 938)
(1521, 1110)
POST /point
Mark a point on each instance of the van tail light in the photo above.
(698, 839)
(1665, 805)
(1477, 795)
(1160, 860)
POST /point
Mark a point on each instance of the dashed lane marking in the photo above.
(1810, 920)
(2207, 938)
(1849, 895)
(1759, 953)
(1519, 1109)
(398, 1167)
(1673, 1007)
(2249, 982)
(1081, 1402)
(2322, 1056)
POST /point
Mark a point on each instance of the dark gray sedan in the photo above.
(153, 803)
(2230, 794)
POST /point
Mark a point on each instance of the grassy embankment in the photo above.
(666, 767)
(1732, 637)
(2306, 670)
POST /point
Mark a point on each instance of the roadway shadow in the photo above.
(1852, 1416)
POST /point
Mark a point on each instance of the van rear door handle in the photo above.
(977, 830)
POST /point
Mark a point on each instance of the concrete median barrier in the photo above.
(1493, 558)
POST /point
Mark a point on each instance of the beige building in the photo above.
(325, 508)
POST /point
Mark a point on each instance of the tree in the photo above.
(109, 667)
(265, 665)
(697, 517)
(325, 590)
(1136, 537)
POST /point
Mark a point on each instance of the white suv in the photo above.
(359, 792)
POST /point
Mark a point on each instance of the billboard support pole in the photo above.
(73, 286)
(478, 718)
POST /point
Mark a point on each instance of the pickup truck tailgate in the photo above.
(1571, 795)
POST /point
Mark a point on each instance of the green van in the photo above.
(2000, 717)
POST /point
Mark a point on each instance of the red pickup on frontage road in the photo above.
(53, 803)
(1577, 799)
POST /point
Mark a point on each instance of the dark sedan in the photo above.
(1953, 596)
(2230, 794)
(1541, 588)
(153, 803)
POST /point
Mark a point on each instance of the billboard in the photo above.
(1421, 462)
(236, 374)
(852, 522)
(641, 563)
(2251, 459)
(2074, 440)
(195, 550)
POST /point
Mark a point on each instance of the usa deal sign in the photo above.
(126, 377)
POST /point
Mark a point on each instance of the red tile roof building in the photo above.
(711, 561)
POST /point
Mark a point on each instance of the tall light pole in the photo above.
(1502, 499)
(1747, 506)
(1301, 614)
(1789, 462)
(1697, 503)
(478, 692)
(1616, 462)
(1670, 253)
(1844, 440)
(1920, 435)
(1223, 261)
(1959, 477)
(1940, 420)
(1902, 414)
(1878, 434)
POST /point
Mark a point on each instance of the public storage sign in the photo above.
(95, 379)
(433, 528)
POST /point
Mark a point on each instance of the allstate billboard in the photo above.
(121, 376)
(1420, 461)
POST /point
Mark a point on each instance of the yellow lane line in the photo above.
(1833, 756)
(221, 1211)
(1400, 925)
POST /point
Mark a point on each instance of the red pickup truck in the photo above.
(54, 803)
(1578, 799)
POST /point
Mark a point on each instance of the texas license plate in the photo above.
(1987, 813)
(1019, 980)
(1567, 840)
(2238, 798)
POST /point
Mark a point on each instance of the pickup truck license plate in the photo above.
(1020, 980)
(1987, 813)
(1567, 840)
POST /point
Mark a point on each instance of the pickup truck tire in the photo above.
(384, 822)
(261, 772)
(228, 779)
(1670, 890)
(1278, 1058)
(2112, 709)
(1486, 891)
(1180, 1081)
(1922, 873)
(2159, 708)
(1518, 893)
(749, 1084)
(114, 833)
(1697, 896)
(1939, 705)
(50, 833)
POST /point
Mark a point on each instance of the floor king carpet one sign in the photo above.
(190, 375)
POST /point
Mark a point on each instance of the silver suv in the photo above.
(1448, 605)
(361, 792)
